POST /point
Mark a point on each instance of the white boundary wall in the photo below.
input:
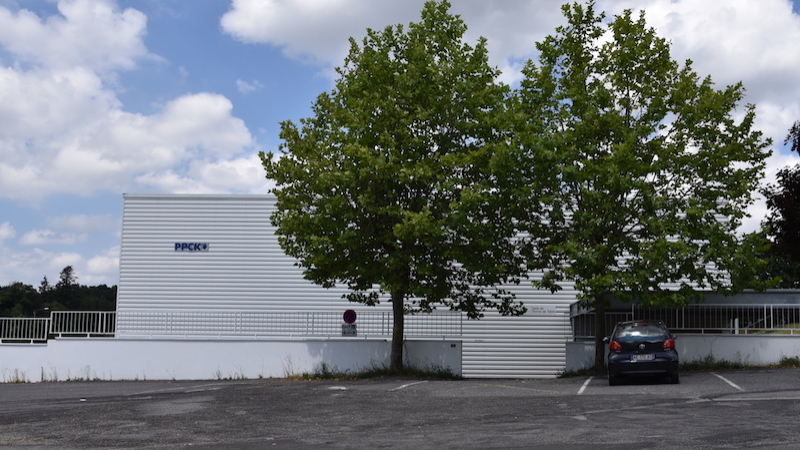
(129, 359)
(739, 348)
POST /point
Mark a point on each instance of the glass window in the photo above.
(641, 331)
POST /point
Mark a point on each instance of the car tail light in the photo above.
(614, 346)
(668, 344)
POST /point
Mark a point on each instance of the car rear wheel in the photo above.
(675, 378)
(613, 381)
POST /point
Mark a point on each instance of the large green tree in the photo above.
(639, 170)
(386, 188)
(782, 224)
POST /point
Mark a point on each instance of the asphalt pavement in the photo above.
(709, 410)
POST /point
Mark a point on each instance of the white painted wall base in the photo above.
(740, 348)
(129, 359)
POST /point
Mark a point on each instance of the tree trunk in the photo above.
(398, 329)
(601, 302)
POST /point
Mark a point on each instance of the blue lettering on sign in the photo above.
(191, 247)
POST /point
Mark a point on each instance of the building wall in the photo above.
(754, 349)
(155, 359)
(243, 269)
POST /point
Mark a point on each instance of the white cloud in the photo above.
(311, 30)
(738, 40)
(245, 87)
(319, 32)
(31, 266)
(110, 148)
(27, 267)
(84, 223)
(241, 174)
(42, 237)
(64, 129)
(6, 232)
(57, 261)
(102, 267)
(244, 175)
(90, 33)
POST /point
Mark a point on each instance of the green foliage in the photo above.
(613, 167)
(789, 361)
(711, 363)
(326, 372)
(644, 173)
(22, 300)
(381, 189)
(640, 172)
(782, 224)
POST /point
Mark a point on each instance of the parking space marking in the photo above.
(727, 381)
(585, 383)
(520, 388)
(184, 389)
(755, 399)
(407, 385)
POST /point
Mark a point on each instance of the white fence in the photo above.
(255, 325)
(24, 330)
(82, 324)
(191, 324)
(59, 324)
(701, 318)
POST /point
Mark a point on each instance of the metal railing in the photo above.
(82, 323)
(23, 330)
(700, 318)
(59, 324)
(196, 324)
(583, 324)
(281, 324)
(734, 319)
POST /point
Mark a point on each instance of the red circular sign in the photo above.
(349, 316)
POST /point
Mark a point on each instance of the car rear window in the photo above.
(640, 331)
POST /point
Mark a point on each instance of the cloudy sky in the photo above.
(104, 97)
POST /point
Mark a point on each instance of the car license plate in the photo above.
(648, 357)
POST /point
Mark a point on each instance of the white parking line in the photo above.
(727, 381)
(406, 385)
(585, 383)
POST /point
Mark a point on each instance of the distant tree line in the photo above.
(23, 300)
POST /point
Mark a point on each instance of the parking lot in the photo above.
(732, 409)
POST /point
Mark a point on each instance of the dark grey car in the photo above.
(641, 348)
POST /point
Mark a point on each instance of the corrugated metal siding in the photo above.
(245, 270)
(529, 346)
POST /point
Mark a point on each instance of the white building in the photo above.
(205, 292)
(209, 266)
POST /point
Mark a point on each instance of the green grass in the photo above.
(585, 372)
(710, 363)
(325, 372)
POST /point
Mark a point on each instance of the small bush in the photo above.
(586, 371)
(787, 361)
(325, 372)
